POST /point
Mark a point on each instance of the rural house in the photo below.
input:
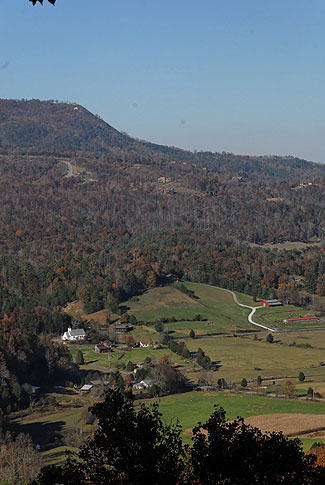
(145, 384)
(144, 343)
(74, 335)
(101, 349)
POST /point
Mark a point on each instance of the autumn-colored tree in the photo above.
(318, 449)
(320, 288)
(288, 388)
(130, 341)
(164, 360)
(128, 381)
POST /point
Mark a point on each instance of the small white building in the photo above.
(74, 334)
(145, 384)
(86, 388)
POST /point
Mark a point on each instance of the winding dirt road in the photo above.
(68, 164)
(252, 308)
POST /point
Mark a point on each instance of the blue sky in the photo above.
(246, 76)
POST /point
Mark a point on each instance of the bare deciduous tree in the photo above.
(20, 462)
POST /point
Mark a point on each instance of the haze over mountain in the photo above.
(64, 127)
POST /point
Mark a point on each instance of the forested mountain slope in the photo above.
(53, 126)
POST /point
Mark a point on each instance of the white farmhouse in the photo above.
(73, 335)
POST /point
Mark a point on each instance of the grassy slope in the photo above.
(216, 306)
(123, 357)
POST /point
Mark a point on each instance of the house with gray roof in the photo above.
(74, 335)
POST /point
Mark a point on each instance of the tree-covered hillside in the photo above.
(53, 126)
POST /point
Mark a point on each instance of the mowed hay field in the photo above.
(245, 357)
(216, 307)
(309, 425)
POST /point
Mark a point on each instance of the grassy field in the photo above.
(199, 406)
(245, 357)
(46, 427)
(56, 455)
(275, 316)
(119, 357)
(194, 407)
(189, 409)
(216, 307)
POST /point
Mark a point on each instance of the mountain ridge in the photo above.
(36, 125)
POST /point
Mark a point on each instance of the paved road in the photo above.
(111, 369)
(68, 164)
(252, 308)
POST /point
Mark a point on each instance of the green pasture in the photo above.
(57, 455)
(193, 407)
(245, 357)
(313, 338)
(274, 317)
(120, 357)
(217, 308)
(308, 442)
(46, 427)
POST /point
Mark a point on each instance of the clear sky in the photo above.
(245, 76)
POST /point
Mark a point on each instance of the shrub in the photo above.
(243, 382)
(301, 376)
(79, 358)
(270, 338)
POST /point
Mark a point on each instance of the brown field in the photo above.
(75, 309)
(292, 425)
(308, 425)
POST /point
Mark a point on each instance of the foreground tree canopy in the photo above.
(41, 1)
(135, 446)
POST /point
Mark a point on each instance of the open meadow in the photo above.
(275, 317)
(193, 407)
(218, 312)
(119, 358)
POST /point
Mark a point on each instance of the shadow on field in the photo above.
(46, 433)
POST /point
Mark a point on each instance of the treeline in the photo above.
(26, 358)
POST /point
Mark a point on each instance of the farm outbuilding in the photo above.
(299, 319)
(271, 303)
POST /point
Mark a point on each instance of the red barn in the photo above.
(270, 303)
